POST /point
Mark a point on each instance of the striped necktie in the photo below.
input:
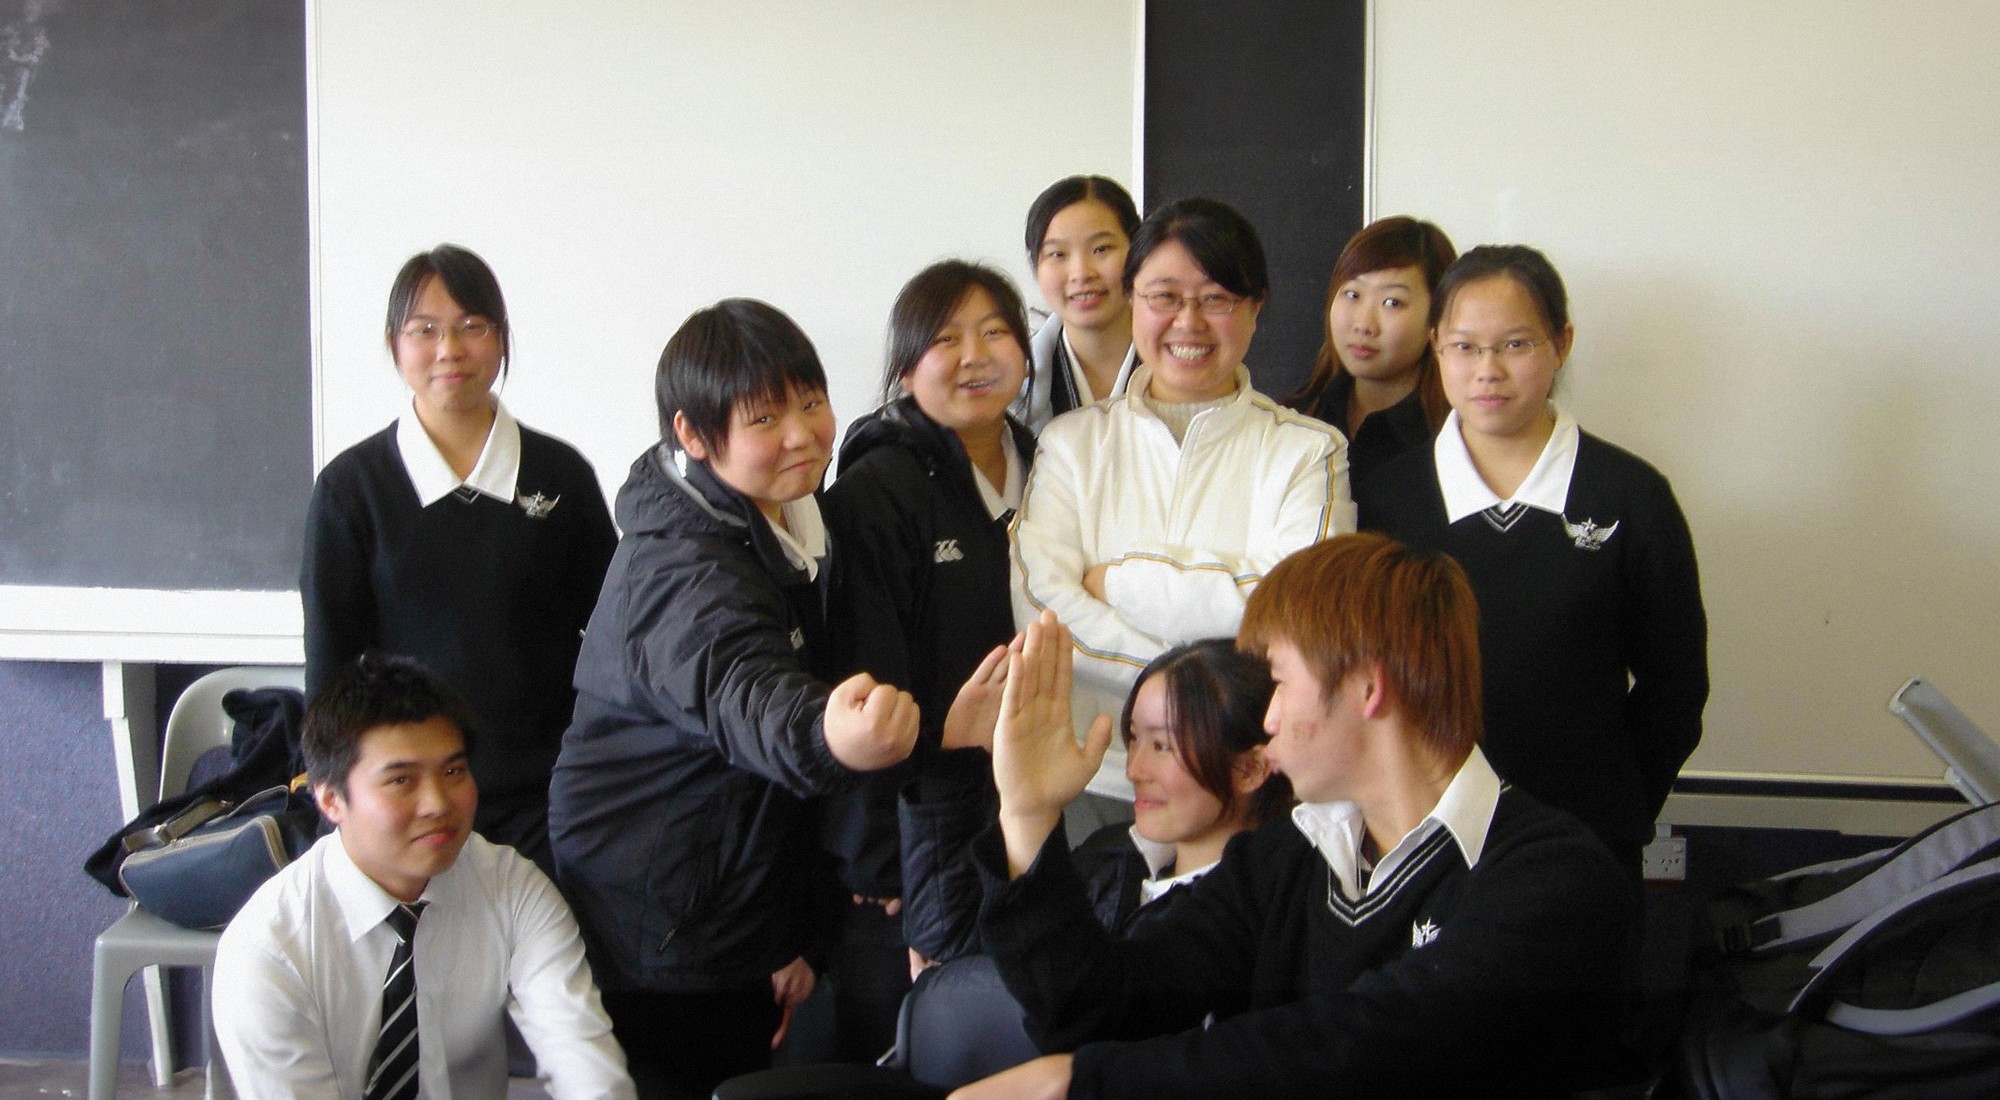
(392, 1071)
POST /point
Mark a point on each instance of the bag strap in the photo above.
(175, 827)
(1924, 859)
(1984, 875)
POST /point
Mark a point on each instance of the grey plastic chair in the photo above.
(1972, 760)
(139, 939)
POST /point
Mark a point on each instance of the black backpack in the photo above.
(1877, 976)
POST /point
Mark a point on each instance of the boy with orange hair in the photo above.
(1417, 928)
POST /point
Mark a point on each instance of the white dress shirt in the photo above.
(298, 982)
(1465, 810)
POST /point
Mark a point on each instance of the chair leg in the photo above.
(159, 1016)
(107, 1011)
(220, 1087)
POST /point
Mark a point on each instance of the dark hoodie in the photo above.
(676, 812)
(920, 600)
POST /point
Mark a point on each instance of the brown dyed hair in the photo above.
(1216, 698)
(1367, 600)
(1383, 244)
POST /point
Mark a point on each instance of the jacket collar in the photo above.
(903, 422)
(800, 551)
(1234, 409)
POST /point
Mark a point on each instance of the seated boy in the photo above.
(1419, 928)
(315, 983)
(677, 812)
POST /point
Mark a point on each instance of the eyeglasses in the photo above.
(1465, 352)
(431, 332)
(1173, 301)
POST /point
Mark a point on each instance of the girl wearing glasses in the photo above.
(1590, 619)
(1079, 231)
(1376, 378)
(463, 539)
(1149, 518)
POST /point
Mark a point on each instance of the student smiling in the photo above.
(1590, 599)
(1149, 518)
(462, 538)
(927, 484)
(1079, 231)
(306, 974)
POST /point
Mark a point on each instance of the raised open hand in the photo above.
(969, 723)
(1037, 764)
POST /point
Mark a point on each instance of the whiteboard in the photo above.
(622, 164)
(1780, 227)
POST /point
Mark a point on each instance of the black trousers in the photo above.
(679, 1046)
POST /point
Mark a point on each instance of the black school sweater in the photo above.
(1496, 980)
(1595, 659)
(486, 595)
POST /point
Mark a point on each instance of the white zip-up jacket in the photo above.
(1189, 529)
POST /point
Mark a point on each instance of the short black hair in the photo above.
(377, 689)
(929, 299)
(466, 278)
(1219, 238)
(1067, 192)
(737, 350)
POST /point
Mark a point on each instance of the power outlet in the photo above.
(1665, 859)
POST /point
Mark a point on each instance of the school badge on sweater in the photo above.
(1588, 535)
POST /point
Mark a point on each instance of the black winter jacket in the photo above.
(921, 599)
(676, 812)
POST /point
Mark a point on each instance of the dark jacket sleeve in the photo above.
(336, 587)
(938, 814)
(707, 637)
(591, 546)
(1669, 654)
(877, 525)
(880, 535)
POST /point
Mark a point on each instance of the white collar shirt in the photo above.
(298, 981)
(1465, 809)
(1007, 498)
(496, 474)
(1158, 858)
(1546, 486)
(1076, 372)
(803, 534)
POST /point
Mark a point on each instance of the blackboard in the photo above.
(155, 374)
(1262, 105)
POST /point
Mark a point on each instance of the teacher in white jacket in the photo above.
(1150, 516)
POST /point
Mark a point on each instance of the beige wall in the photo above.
(622, 164)
(1780, 227)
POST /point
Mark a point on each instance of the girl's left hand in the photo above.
(969, 723)
(790, 987)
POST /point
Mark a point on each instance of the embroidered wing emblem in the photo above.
(1588, 535)
(1422, 934)
(537, 506)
